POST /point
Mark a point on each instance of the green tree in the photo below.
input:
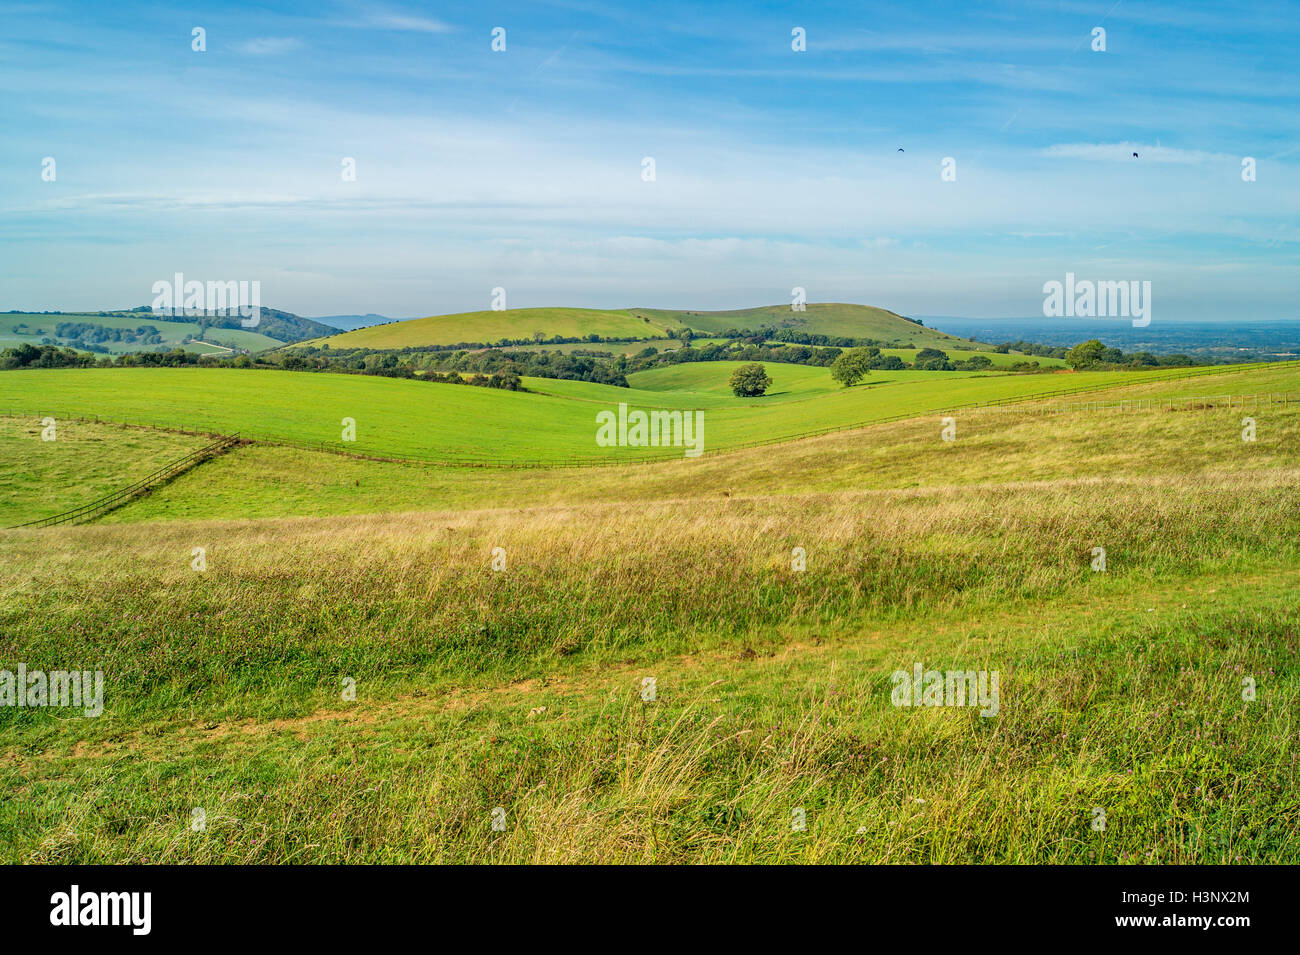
(852, 366)
(932, 359)
(750, 381)
(1085, 353)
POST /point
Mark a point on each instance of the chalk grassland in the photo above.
(992, 448)
(642, 324)
(818, 318)
(712, 379)
(521, 689)
(489, 327)
(83, 462)
(709, 380)
(440, 422)
(174, 334)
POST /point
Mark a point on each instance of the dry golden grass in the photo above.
(992, 447)
(520, 689)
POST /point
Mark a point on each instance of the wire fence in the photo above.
(115, 499)
(1245, 402)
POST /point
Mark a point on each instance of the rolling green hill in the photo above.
(556, 422)
(824, 318)
(519, 688)
(261, 480)
(512, 325)
(639, 324)
(34, 327)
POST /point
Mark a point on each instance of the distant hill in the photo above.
(120, 333)
(349, 322)
(117, 331)
(512, 325)
(525, 325)
(275, 323)
(280, 325)
(836, 320)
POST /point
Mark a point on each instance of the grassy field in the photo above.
(512, 324)
(711, 379)
(522, 689)
(440, 422)
(16, 328)
(996, 448)
(650, 676)
(82, 462)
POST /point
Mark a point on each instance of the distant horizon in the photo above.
(923, 317)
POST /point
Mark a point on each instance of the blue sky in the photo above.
(774, 168)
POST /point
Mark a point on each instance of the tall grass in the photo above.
(519, 692)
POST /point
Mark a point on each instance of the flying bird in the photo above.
(1135, 155)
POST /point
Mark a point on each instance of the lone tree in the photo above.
(1085, 353)
(750, 381)
(852, 366)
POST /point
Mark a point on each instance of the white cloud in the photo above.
(931, 43)
(1123, 152)
(269, 45)
(405, 23)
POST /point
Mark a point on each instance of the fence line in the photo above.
(1196, 402)
(110, 501)
(1022, 403)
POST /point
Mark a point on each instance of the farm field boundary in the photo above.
(116, 499)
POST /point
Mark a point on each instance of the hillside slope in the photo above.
(834, 319)
(525, 325)
(520, 688)
(275, 328)
(507, 325)
(554, 424)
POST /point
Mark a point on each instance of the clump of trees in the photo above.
(1093, 354)
(434, 365)
(44, 356)
(740, 350)
(931, 359)
(94, 333)
(1032, 349)
(750, 381)
(54, 356)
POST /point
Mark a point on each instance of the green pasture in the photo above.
(434, 421)
(83, 462)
